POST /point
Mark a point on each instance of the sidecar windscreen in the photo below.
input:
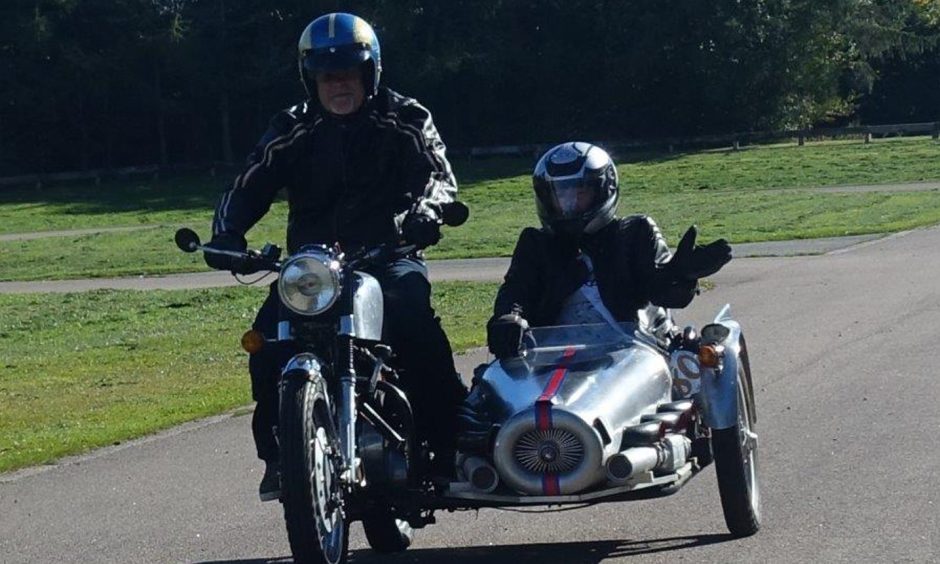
(548, 345)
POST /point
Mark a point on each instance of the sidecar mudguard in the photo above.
(718, 395)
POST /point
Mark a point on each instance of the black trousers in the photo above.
(417, 340)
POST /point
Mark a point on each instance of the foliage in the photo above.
(102, 83)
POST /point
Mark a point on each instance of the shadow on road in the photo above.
(593, 552)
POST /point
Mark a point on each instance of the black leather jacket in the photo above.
(631, 265)
(351, 179)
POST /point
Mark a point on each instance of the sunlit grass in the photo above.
(79, 371)
(744, 196)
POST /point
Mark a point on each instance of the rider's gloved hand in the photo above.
(504, 335)
(229, 242)
(421, 230)
(692, 261)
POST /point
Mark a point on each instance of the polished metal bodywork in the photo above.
(368, 308)
(596, 381)
(560, 410)
(718, 396)
(304, 362)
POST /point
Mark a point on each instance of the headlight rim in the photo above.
(332, 266)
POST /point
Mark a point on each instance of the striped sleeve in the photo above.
(428, 177)
(663, 287)
(251, 194)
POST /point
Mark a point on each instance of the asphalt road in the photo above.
(843, 348)
(478, 269)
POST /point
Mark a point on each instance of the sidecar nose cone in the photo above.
(548, 452)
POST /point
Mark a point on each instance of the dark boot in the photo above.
(270, 488)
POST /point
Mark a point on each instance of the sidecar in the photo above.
(605, 412)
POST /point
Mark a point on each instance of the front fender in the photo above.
(718, 395)
(304, 365)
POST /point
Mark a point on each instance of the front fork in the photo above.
(347, 409)
(346, 412)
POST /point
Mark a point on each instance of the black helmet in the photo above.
(335, 42)
(575, 189)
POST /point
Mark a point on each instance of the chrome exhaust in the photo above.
(666, 456)
(481, 474)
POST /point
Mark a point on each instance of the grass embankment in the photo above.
(728, 194)
(79, 371)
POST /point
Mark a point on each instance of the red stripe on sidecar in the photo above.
(550, 485)
(558, 376)
(543, 414)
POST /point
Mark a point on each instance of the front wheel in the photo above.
(317, 527)
(735, 452)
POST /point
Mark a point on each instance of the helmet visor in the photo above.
(334, 58)
(568, 198)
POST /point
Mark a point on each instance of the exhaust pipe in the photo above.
(481, 474)
(668, 455)
(631, 462)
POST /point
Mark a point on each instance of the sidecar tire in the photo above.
(386, 534)
(304, 408)
(740, 497)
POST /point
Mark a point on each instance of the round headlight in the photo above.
(309, 283)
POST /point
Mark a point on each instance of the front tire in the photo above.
(317, 527)
(735, 452)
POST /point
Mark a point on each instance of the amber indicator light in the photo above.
(253, 341)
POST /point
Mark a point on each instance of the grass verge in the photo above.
(79, 371)
(728, 194)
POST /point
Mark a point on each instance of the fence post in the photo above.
(737, 145)
(801, 139)
(867, 137)
(936, 131)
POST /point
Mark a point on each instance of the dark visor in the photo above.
(571, 197)
(335, 58)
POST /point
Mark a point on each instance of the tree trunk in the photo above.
(161, 114)
(226, 128)
(83, 127)
(224, 99)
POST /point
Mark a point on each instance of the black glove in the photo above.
(693, 262)
(504, 335)
(421, 230)
(228, 242)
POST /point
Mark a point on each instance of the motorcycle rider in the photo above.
(362, 165)
(586, 265)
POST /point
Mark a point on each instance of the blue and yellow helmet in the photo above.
(339, 41)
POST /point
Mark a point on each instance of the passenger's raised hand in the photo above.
(693, 261)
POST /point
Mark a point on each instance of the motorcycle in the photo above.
(585, 414)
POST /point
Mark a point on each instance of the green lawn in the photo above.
(728, 194)
(78, 371)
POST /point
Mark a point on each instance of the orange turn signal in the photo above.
(710, 355)
(253, 341)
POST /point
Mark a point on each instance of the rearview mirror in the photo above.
(714, 333)
(187, 240)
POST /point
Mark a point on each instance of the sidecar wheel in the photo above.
(386, 534)
(317, 527)
(735, 452)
